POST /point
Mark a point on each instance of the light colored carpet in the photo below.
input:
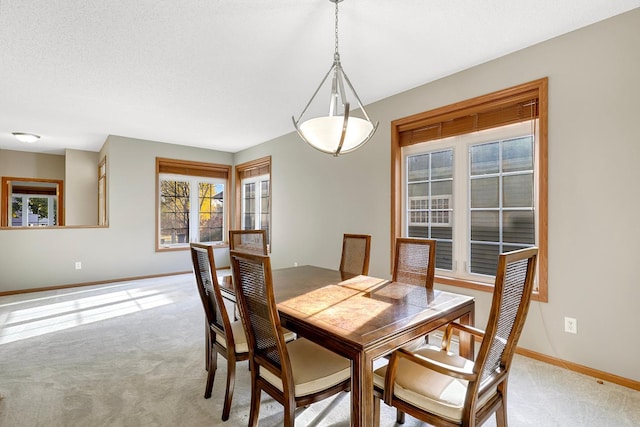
(132, 354)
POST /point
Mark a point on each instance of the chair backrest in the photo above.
(414, 261)
(254, 293)
(355, 254)
(204, 269)
(250, 241)
(511, 298)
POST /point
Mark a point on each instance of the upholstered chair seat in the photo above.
(296, 373)
(443, 389)
(240, 338)
(308, 377)
(429, 390)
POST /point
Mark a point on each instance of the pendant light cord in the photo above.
(336, 55)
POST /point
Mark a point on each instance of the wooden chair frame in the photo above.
(479, 383)
(402, 242)
(286, 397)
(237, 245)
(212, 300)
(344, 259)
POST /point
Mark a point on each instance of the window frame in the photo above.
(469, 113)
(247, 171)
(257, 180)
(195, 170)
(459, 206)
(102, 192)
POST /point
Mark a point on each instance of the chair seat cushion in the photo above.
(288, 335)
(240, 338)
(314, 368)
(429, 390)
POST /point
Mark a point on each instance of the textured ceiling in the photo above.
(229, 74)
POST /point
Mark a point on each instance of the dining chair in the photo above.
(355, 255)
(252, 241)
(222, 336)
(297, 373)
(441, 388)
(414, 261)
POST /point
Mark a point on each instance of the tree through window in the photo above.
(192, 205)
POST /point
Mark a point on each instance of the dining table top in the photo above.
(361, 310)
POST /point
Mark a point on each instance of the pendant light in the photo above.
(339, 131)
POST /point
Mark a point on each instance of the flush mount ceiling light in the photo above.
(26, 137)
(339, 131)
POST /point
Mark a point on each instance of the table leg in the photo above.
(467, 340)
(362, 400)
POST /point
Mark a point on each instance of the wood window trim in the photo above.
(6, 195)
(257, 167)
(102, 192)
(537, 89)
(189, 168)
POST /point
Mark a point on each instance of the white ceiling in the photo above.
(229, 74)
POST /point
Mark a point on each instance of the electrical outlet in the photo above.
(570, 325)
(78, 265)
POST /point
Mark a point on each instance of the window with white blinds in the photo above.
(473, 176)
(475, 195)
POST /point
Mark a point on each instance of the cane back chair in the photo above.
(295, 374)
(252, 241)
(355, 255)
(443, 389)
(414, 261)
(223, 336)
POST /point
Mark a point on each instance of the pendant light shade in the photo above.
(324, 132)
(339, 131)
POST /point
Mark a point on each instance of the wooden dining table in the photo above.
(363, 318)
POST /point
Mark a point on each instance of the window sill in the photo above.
(185, 247)
(478, 286)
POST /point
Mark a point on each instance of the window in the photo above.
(255, 203)
(472, 176)
(29, 210)
(429, 190)
(489, 176)
(253, 196)
(191, 203)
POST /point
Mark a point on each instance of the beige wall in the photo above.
(124, 249)
(593, 231)
(22, 164)
(81, 188)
